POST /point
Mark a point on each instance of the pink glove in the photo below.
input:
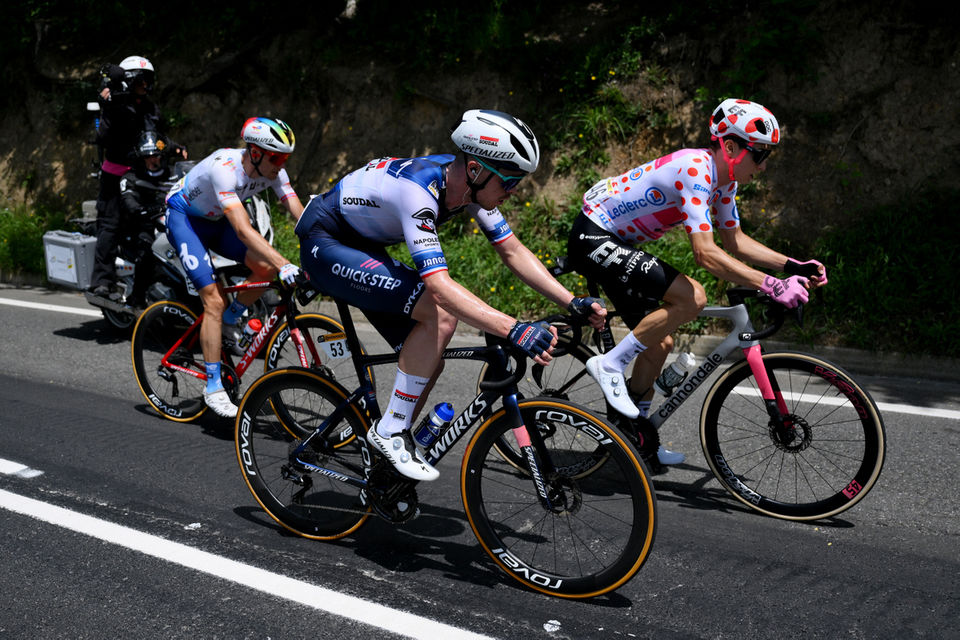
(789, 292)
(812, 269)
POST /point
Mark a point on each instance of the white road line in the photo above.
(11, 468)
(50, 307)
(884, 407)
(319, 598)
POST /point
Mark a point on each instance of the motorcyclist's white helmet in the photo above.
(138, 68)
(498, 139)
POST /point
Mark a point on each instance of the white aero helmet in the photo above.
(497, 138)
(268, 134)
(746, 120)
(138, 68)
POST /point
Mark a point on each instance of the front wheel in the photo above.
(327, 337)
(559, 531)
(176, 392)
(820, 459)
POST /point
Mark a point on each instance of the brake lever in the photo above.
(797, 314)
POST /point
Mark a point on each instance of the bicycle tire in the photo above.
(602, 526)
(175, 395)
(320, 329)
(319, 506)
(827, 464)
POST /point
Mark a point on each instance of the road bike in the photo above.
(788, 434)
(542, 521)
(169, 365)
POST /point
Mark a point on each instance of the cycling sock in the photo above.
(644, 406)
(406, 391)
(214, 383)
(617, 359)
(233, 312)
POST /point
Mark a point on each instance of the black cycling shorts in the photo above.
(635, 281)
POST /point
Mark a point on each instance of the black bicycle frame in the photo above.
(495, 355)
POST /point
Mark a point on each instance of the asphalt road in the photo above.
(115, 522)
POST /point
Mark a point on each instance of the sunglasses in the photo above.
(277, 159)
(759, 155)
(509, 183)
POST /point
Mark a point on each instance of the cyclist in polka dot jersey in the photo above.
(695, 188)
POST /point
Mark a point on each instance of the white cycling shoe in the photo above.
(401, 451)
(220, 403)
(667, 457)
(613, 386)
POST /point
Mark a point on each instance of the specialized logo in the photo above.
(428, 220)
(484, 152)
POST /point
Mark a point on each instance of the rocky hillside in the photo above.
(867, 93)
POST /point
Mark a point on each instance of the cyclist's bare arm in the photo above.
(237, 216)
(723, 265)
(525, 265)
(293, 206)
(454, 298)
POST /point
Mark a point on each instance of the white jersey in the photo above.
(393, 200)
(647, 201)
(219, 181)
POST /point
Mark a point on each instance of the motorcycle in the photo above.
(167, 278)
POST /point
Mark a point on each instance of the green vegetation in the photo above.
(885, 270)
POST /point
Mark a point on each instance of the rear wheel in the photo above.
(317, 492)
(820, 460)
(591, 532)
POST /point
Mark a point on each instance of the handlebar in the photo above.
(519, 358)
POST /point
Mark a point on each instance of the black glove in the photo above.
(582, 307)
(533, 338)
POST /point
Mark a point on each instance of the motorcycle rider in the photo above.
(126, 111)
(205, 210)
(142, 194)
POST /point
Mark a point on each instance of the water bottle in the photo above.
(250, 329)
(429, 430)
(674, 374)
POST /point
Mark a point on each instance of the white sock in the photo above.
(406, 391)
(623, 354)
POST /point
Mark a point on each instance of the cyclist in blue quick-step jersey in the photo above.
(343, 234)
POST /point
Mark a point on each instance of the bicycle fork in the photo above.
(781, 420)
(528, 448)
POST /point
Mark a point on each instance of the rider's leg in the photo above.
(682, 302)
(260, 271)
(419, 365)
(214, 395)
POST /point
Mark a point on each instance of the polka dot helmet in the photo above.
(746, 120)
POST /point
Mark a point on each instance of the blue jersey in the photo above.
(393, 200)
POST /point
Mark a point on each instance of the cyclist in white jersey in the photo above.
(695, 189)
(205, 211)
(344, 232)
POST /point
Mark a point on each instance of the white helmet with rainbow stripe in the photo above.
(269, 134)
